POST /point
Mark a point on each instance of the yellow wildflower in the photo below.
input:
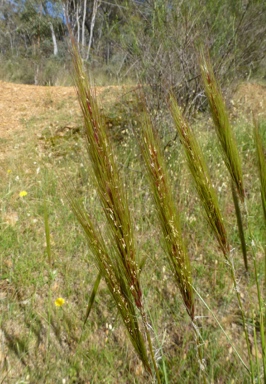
(59, 302)
(9, 171)
(23, 193)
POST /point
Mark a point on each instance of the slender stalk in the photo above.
(256, 346)
(200, 346)
(148, 335)
(222, 329)
(240, 225)
(261, 163)
(203, 183)
(240, 305)
(222, 125)
(168, 214)
(261, 313)
(227, 141)
(115, 281)
(200, 174)
(260, 298)
(164, 374)
(47, 233)
(93, 295)
(262, 175)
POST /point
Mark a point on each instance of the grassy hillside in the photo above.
(45, 255)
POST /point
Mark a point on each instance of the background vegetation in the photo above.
(152, 42)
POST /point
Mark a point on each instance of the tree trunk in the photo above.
(83, 24)
(96, 4)
(54, 39)
(78, 24)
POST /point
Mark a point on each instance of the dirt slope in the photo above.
(19, 103)
(250, 98)
(25, 110)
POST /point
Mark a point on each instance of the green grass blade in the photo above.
(240, 226)
(47, 233)
(260, 150)
(222, 329)
(92, 296)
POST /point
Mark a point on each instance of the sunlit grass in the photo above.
(30, 286)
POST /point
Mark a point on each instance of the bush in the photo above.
(49, 71)
(162, 43)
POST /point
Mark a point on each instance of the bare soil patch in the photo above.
(19, 103)
(249, 99)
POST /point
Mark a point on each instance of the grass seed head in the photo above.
(167, 212)
(117, 264)
(222, 125)
(200, 174)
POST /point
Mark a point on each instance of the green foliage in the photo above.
(166, 46)
(154, 42)
(51, 71)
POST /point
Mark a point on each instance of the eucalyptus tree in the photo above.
(31, 27)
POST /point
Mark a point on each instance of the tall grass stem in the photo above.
(240, 225)
(47, 233)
